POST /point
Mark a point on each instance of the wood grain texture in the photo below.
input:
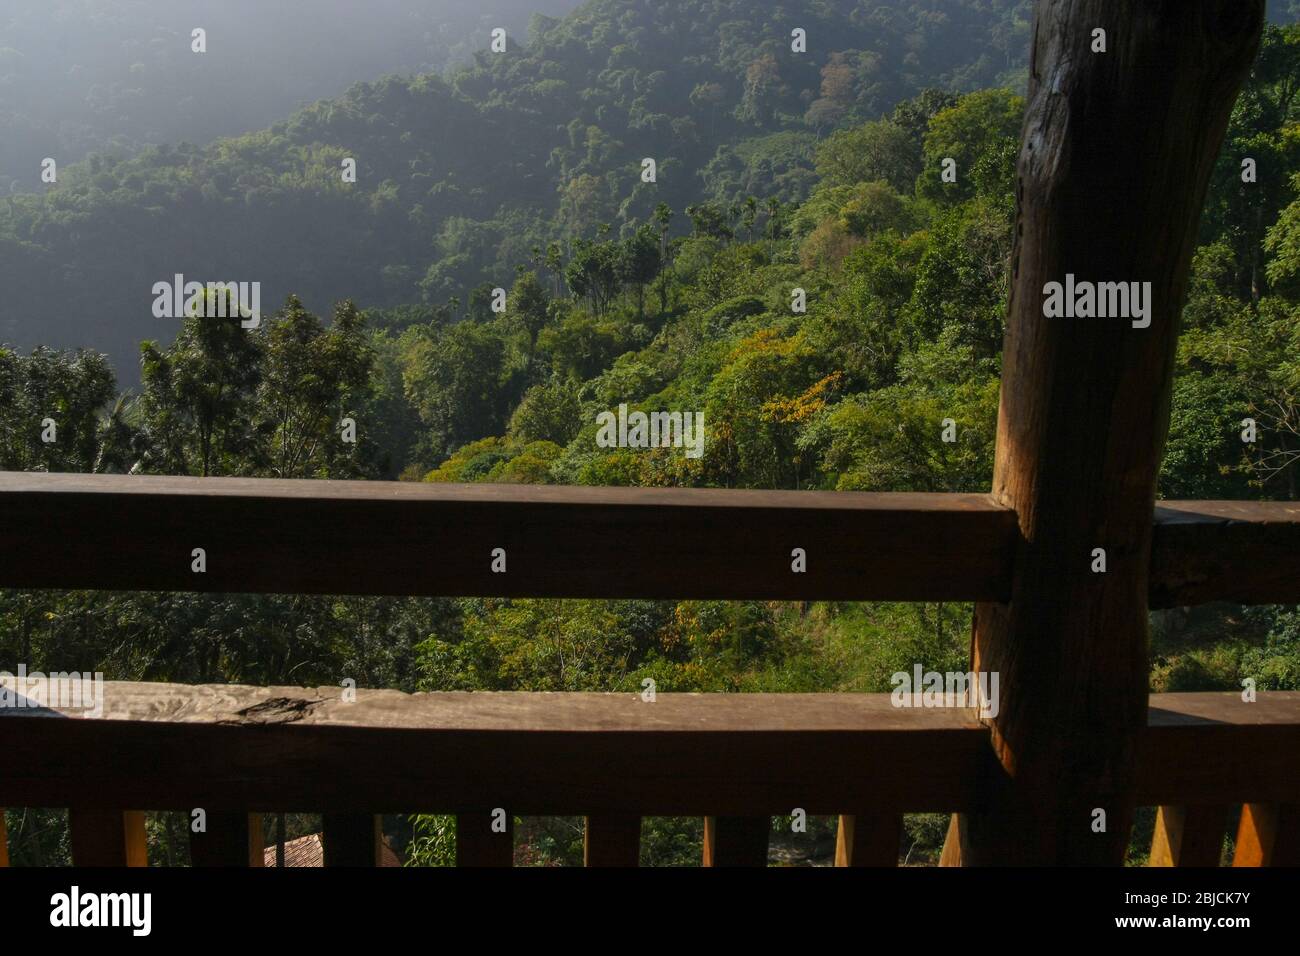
(346, 537)
(232, 747)
(1116, 155)
(868, 840)
(1247, 552)
(1215, 748)
(1189, 835)
(401, 538)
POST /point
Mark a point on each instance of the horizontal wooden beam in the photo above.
(228, 747)
(1247, 552)
(119, 532)
(1215, 748)
(123, 532)
(232, 747)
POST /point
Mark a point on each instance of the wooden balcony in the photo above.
(735, 759)
(1116, 155)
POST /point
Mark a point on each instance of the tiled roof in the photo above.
(308, 851)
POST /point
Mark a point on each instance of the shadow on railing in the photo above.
(735, 759)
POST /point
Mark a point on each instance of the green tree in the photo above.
(197, 414)
(982, 127)
(639, 263)
(56, 396)
(309, 373)
(454, 379)
(528, 307)
(880, 150)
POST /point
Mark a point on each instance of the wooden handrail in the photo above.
(736, 759)
(1247, 552)
(178, 746)
(398, 538)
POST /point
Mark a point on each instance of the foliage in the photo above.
(887, 380)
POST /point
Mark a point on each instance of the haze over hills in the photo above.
(779, 176)
(83, 75)
(460, 177)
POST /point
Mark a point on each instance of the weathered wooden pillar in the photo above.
(1117, 152)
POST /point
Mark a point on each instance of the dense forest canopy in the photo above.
(523, 171)
(458, 176)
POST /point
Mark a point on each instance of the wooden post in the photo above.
(1189, 836)
(477, 844)
(232, 838)
(1268, 835)
(109, 837)
(736, 841)
(1117, 151)
(4, 840)
(351, 839)
(611, 839)
(871, 840)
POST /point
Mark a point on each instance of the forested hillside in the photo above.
(905, 281)
(458, 177)
(801, 273)
(78, 76)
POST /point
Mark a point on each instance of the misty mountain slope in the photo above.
(83, 75)
(460, 177)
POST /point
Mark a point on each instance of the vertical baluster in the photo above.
(1269, 835)
(351, 839)
(868, 840)
(612, 839)
(477, 844)
(736, 841)
(1189, 835)
(232, 838)
(109, 837)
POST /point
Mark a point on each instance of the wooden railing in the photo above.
(735, 759)
(417, 539)
(612, 758)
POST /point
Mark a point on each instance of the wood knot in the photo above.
(275, 710)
